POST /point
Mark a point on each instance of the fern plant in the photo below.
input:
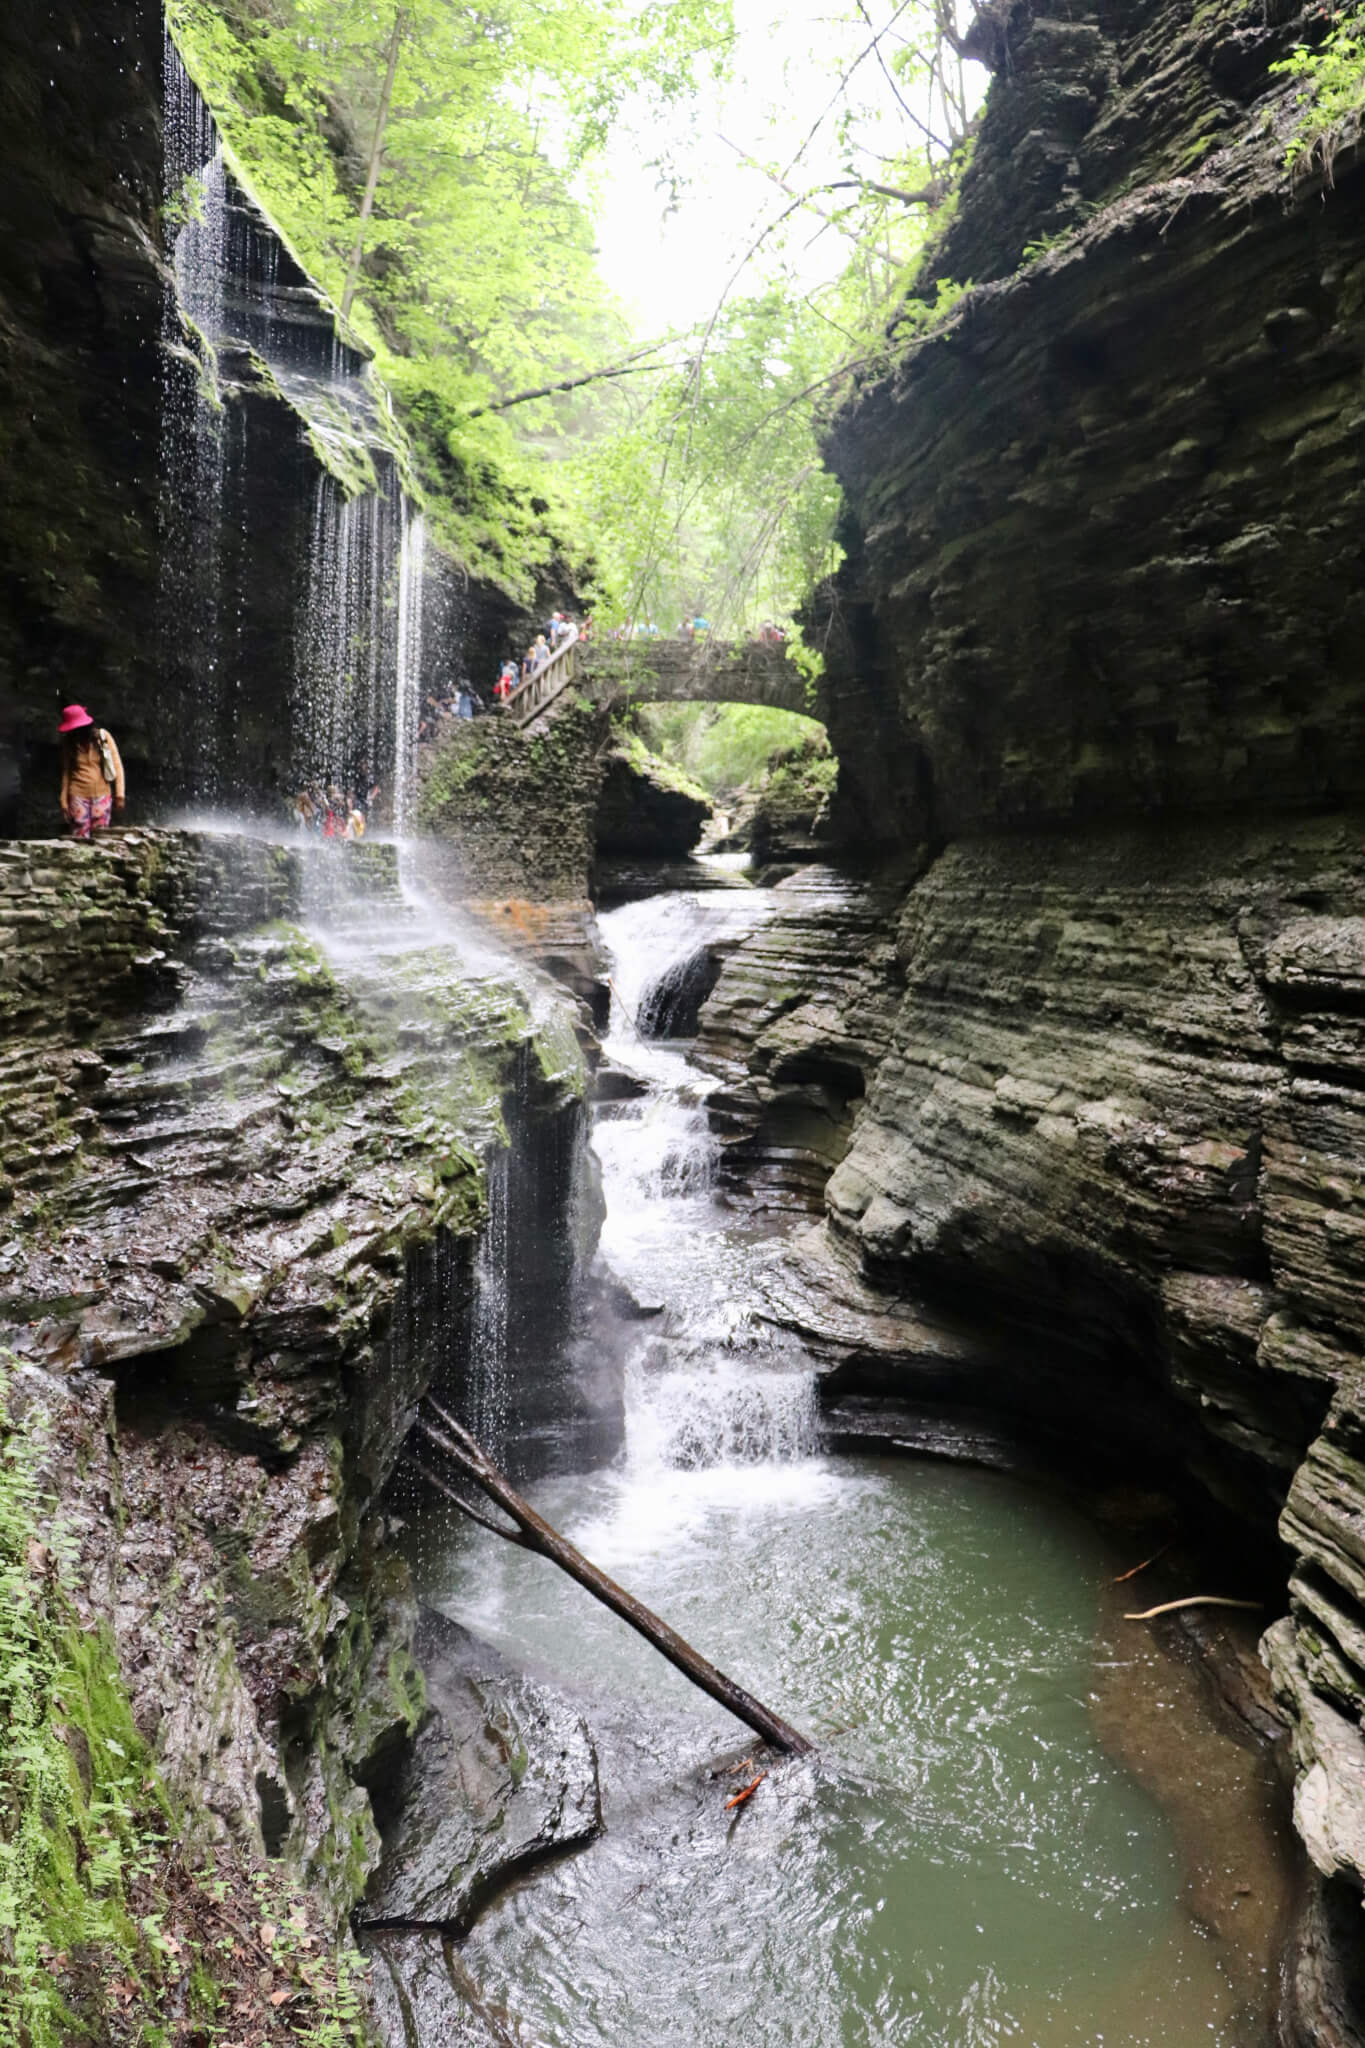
(1333, 97)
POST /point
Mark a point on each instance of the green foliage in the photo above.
(476, 275)
(723, 747)
(1333, 96)
(79, 1812)
(710, 496)
(98, 1914)
(707, 492)
(658, 767)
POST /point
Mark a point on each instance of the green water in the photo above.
(1024, 1824)
(964, 1865)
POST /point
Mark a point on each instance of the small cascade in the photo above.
(720, 1412)
(707, 1386)
(486, 1366)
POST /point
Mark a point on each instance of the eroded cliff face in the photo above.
(1093, 657)
(245, 1128)
(1104, 525)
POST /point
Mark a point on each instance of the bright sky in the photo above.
(669, 268)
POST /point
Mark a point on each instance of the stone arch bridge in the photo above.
(686, 672)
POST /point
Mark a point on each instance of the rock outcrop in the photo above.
(797, 1024)
(646, 808)
(1103, 525)
(243, 1186)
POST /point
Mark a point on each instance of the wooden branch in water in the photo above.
(535, 1533)
(1195, 1600)
(1124, 1577)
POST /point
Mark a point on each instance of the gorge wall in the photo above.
(1093, 664)
(204, 523)
(251, 1110)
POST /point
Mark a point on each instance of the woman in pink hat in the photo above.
(92, 773)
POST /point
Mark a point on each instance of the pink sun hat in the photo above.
(73, 718)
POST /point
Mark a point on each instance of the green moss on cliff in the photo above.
(517, 809)
(111, 1929)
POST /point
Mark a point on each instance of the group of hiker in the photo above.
(462, 700)
(514, 676)
(92, 785)
(333, 813)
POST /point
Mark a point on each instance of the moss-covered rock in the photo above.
(270, 1156)
(647, 806)
(790, 819)
(514, 813)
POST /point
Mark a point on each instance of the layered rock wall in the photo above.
(1094, 653)
(243, 1130)
(1104, 525)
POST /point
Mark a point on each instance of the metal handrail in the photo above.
(539, 691)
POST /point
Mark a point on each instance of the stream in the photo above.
(1026, 1823)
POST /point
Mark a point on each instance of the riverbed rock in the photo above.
(501, 1775)
(420, 1992)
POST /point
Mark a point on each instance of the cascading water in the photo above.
(967, 1865)
(352, 611)
(408, 666)
(486, 1369)
(193, 436)
(706, 1387)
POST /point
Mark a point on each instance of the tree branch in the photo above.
(458, 1500)
(381, 122)
(629, 366)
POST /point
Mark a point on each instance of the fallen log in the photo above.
(532, 1532)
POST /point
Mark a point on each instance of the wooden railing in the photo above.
(539, 691)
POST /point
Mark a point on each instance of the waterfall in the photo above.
(486, 1367)
(193, 427)
(343, 619)
(408, 667)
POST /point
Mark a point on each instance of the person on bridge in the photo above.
(92, 773)
(506, 684)
(540, 654)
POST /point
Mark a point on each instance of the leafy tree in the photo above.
(422, 161)
(428, 162)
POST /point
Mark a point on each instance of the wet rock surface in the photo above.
(794, 1027)
(212, 1269)
(500, 1774)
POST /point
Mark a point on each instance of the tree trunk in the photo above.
(532, 1532)
(376, 157)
